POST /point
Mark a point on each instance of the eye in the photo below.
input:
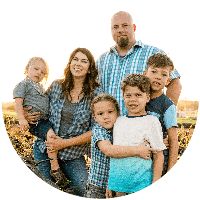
(127, 95)
(110, 111)
(115, 27)
(138, 95)
(74, 59)
(85, 61)
(100, 113)
(125, 25)
(153, 71)
(164, 75)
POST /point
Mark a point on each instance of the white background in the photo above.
(52, 29)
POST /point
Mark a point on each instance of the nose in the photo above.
(105, 116)
(120, 29)
(158, 76)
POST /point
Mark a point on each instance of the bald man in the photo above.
(129, 56)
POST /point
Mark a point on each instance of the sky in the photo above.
(52, 29)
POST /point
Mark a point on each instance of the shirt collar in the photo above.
(138, 44)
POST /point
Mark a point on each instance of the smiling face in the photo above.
(79, 65)
(159, 77)
(36, 71)
(135, 100)
(105, 113)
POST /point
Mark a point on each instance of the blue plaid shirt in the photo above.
(113, 68)
(80, 124)
(99, 167)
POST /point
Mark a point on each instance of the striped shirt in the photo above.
(99, 167)
(113, 68)
(81, 120)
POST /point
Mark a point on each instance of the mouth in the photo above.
(77, 69)
(156, 83)
(133, 106)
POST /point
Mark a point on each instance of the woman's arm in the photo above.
(58, 143)
(173, 147)
(158, 160)
(116, 151)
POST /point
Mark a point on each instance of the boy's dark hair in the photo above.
(105, 97)
(160, 60)
(137, 80)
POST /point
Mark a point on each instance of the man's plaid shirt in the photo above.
(113, 68)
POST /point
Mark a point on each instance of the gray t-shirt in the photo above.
(34, 95)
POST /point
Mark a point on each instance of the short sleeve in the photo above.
(170, 118)
(19, 90)
(100, 134)
(174, 74)
(155, 136)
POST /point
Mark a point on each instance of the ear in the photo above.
(93, 116)
(148, 98)
(168, 82)
(134, 27)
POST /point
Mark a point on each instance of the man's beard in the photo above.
(123, 42)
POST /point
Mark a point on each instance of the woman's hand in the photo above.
(55, 143)
(33, 117)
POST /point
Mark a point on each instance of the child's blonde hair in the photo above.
(35, 60)
(105, 97)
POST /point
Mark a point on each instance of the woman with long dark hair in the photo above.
(70, 117)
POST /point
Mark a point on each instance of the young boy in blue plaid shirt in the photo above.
(105, 111)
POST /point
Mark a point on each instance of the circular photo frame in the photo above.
(66, 42)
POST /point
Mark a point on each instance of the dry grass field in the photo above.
(23, 141)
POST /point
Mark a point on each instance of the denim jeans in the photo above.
(75, 170)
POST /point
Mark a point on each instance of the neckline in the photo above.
(136, 116)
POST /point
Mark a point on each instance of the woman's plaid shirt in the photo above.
(81, 120)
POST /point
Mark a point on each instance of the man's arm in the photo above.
(173, 147)
(174, 90)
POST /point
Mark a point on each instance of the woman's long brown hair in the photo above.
(90, 82)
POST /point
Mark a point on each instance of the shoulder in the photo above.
(103, 57)
(150, 48)
(21, 85)
(100, 133)
(162, 102)
(98, 90)
(166, 101)
(56, 84)
(120, 120)
(151, 119)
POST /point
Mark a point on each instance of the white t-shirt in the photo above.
(133, 131)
